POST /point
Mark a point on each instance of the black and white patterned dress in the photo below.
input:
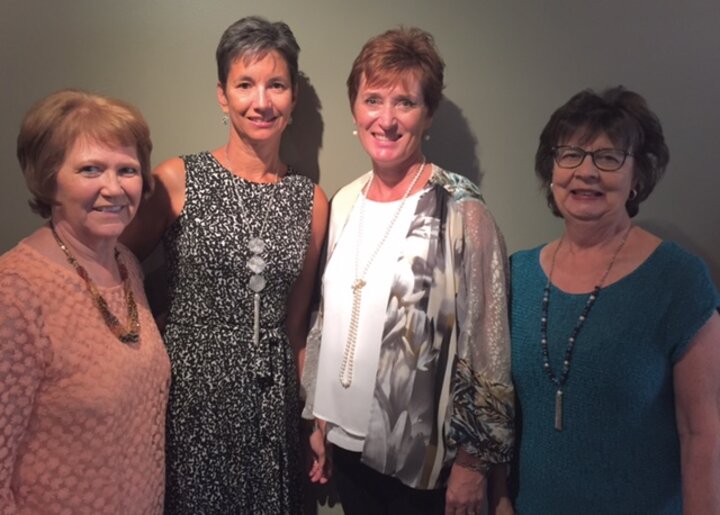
(232, 430)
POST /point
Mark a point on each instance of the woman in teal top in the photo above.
(615, 333)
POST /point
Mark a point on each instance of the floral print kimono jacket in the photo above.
(443, 378)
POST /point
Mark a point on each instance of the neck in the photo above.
(391, 184)
(100, 252)
(257, 162)
(581, 236)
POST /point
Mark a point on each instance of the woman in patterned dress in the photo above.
(84, 376)
(242, 233)
(408, 371)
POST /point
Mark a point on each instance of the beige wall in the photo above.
(509, 65)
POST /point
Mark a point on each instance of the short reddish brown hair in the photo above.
(53, 125)
(391, 56)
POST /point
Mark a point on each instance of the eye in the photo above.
(373, 101)
(128, 171)
(407, 103)
(570, 153)
(609, 157)
(244, 85)
(90, 170)
(279, 85)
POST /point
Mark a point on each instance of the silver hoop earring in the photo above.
(225, 119)
(633, 194)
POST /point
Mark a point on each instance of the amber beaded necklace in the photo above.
(559, 382)
(125, 335)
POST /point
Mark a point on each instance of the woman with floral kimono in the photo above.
(407, 369)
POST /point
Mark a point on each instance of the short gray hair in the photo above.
(255, 36)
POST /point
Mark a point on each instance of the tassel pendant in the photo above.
(256, 320)
(559, 410)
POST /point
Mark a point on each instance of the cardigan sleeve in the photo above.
(22, 366)
(482, 393)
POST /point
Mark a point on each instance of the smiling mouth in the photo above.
(263, 121)
(586, 193)
(109, 209)
(386, 137)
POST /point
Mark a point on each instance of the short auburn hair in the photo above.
(391, 56)
(53, 125)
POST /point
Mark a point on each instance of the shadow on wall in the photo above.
(302, 139)
(452, 144)
(668, 231)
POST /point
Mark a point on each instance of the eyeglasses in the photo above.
(605, 159)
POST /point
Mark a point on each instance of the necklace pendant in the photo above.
(256, 320)
(256, 245)
(559, 410)
(358, 284)
(256, 283)
(256, 264)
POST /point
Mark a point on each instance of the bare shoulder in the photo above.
(171, 174)
(320, 200)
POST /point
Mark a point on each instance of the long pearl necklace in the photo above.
(560, 381)
(346, 368)
(256, 263)
(130, 334)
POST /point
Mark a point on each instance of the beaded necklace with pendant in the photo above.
(559, 382)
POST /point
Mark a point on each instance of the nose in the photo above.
(587, 169)
(111, 184)
(262, 99)
(387, 117)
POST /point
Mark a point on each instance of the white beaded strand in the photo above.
(346, 368)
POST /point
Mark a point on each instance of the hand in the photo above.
(502, 507)
(320, 468)
(465, 491)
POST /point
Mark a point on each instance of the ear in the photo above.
(428, 123)
(222, 99)
(294, 98)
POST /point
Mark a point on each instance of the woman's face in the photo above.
(258, 97)
(98, 190)
(586, 193)
(391, 121)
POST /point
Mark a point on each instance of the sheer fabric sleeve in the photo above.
(312, 357)
(482, 393)
(22, 365)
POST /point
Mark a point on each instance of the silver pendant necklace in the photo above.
(257, 246)
(346, 368)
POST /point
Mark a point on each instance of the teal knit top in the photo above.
(618, 452)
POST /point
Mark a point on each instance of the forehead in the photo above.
(404, 83)
(584, 137)
(87, 146)
(269, 62)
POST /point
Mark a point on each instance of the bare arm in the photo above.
(159, 210)
(697, 406)
(302, 292)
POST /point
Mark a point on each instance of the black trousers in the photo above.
(364, 491)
